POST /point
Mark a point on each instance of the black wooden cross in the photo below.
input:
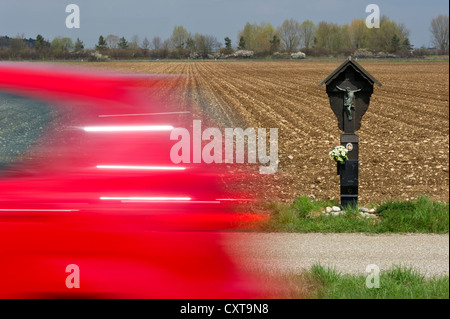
(349, 89)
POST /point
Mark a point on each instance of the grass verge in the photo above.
(304, 215)
(397, 283)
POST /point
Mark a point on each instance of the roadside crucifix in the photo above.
(349, 89)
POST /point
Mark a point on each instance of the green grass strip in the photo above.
(396, 283)
(304, 215)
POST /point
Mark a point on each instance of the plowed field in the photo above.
(404, 150)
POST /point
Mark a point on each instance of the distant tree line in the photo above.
(321, 39)
(326, 39)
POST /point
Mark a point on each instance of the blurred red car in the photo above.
(86, 180)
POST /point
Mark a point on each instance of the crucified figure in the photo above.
(349, 100)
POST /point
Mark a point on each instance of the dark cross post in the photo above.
(349, 88)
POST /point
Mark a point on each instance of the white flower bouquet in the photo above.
(339, 154)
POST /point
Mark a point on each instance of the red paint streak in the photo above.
(123, 249)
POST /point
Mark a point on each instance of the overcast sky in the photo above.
(220, 18)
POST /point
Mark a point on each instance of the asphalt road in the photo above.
(349, 253)
(22, 121)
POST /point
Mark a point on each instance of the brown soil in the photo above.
(404, 149)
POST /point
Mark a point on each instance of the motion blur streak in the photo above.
(160, 168)
(128, 128)
(166, 246)
(165, 199)
(235, 199)
(174, 201)
(144, 114)
(39, 210)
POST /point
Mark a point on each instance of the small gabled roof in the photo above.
(357, 67)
